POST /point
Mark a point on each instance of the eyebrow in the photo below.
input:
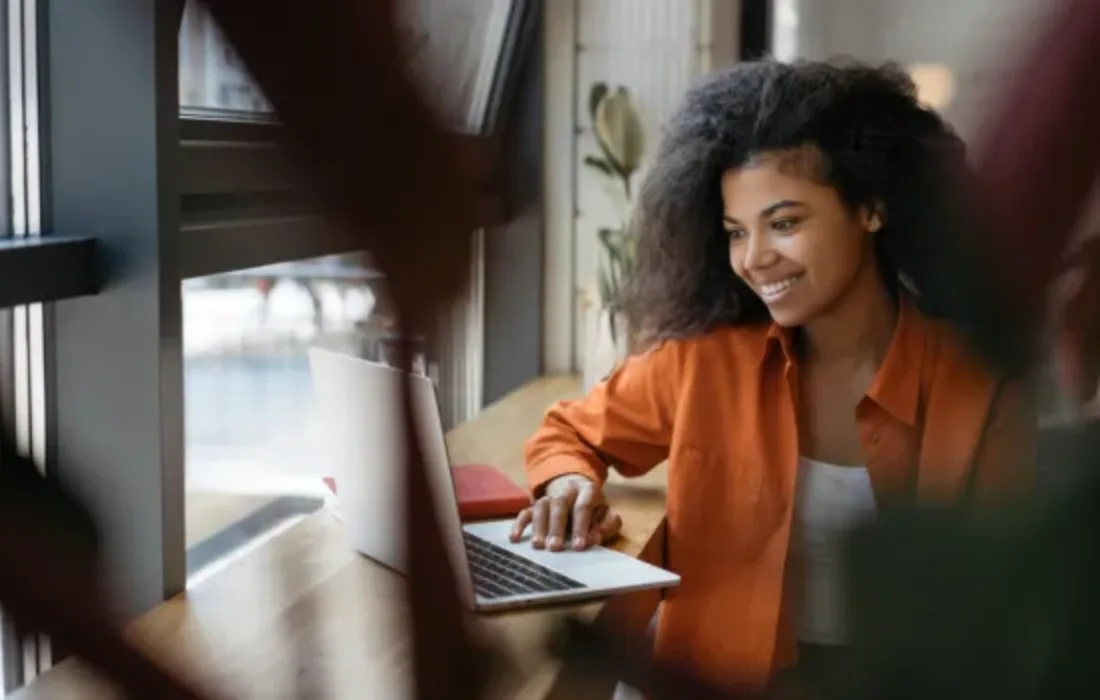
(768, 210)
(782, 204)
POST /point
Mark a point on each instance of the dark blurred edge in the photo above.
(1064, 449)
(755, 29)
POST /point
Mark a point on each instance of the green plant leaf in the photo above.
(614, 255)
(595, 94)
(604, 235)
(619, 130)
(610, 159)
(609, 243)
(597, 163)
(607, 293)
(611, 248)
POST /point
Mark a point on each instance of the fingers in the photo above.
(582, 518)
(560, 509)
(548, 518)
(605, 525)
(575, 516)
(540, 518)
(523, 520)
(609, 526)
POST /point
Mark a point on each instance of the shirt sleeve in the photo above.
(624, 422)
(1007, 461)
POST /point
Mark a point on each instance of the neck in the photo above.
(858, 328)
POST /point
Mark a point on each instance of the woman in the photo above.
(788, 371)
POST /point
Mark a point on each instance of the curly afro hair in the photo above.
(874, 143)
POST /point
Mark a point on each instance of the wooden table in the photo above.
(304, 602)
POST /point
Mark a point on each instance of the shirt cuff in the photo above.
(540, 474)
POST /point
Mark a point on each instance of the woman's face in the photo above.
(792, 240)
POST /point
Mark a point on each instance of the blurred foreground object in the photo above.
(1037, 173)
(394, 181)
(1077, 341)
(49, 551)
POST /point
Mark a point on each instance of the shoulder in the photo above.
(728, 343)
(720, 356)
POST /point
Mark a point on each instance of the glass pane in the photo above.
(251, 464)
(212, 76)
(457, 47)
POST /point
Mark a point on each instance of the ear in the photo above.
(872, 217)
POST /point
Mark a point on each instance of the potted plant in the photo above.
(620, 135)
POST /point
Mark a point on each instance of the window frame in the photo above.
(520, 31)
(122, 344)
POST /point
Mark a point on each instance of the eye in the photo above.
(786, 224)
(735, 233)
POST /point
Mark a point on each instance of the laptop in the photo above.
(357, 404)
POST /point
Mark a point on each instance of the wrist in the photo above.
(563, 479)
(542, 473)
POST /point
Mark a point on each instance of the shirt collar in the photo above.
(896, 386)
(781, 338)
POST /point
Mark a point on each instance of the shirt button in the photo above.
(872, 437)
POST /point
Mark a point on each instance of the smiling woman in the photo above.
(787, 368)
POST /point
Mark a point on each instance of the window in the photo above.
(212, 76)
(251, 438)
(263, 278)
(785, 19)
(935, 84)
(254, 448)
(459, 48)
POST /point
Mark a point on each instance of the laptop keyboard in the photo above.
(500, 573)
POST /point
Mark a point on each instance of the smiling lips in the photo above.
(773, 291)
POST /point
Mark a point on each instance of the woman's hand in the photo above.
(572, 506)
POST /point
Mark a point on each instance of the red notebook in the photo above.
(483, 492)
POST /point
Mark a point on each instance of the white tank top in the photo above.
(829, 501)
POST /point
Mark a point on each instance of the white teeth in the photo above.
(776, 288)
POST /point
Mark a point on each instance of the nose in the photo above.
(759, 254)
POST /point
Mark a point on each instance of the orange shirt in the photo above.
(721, 408)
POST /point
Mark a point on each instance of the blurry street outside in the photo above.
(250, 426)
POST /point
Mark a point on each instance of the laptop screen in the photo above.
(361, 426)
